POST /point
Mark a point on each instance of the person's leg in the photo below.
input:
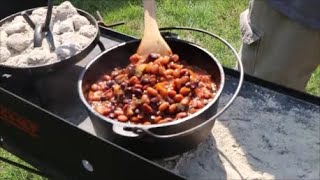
(285, 53)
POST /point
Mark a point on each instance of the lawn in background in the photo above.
(218, 16)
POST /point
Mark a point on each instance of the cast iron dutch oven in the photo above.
(161, 140)
(43, 69)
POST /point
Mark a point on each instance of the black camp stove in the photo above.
(43, 122)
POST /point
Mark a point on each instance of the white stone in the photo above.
(88, 31)
(19, 42)
(38, 19)
(67, 50)
(55, 29)
(45, 43)
(3, 39)
(17, 61)
(17, 27)
(65, 10)
(4, 54)
(40, 56)
(79, 21)
(40, 12)
(74, 38)
(19, 19)
(66, 26)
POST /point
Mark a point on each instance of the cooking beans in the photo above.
(155, 90)
(164, 106)
(175, 58)
(172, 93)
(185, 101)
(181, 115)
(184, 91)
(152, 92)
(178, 98)
(122, 118)
(173, 108)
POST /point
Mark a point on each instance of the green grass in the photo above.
(8, 172)
(218, 16)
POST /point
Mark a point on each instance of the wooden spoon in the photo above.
(152, 41)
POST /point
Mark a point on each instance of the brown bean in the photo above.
(162, 70)
(155, 100)
(184, 91)
(145, 87)
(164, 106)
(185, 79)
(123, 118)
(200, 104)
(175, 58)
(175, 66)
(173, 108)
(118, 112)
(151, 91)
(103, 84)
(129, 111)
(95, 95)
(168, 72)
(125, 106)
(134, 58)
(147, 108)
(155, 69)
(169, 77)
(119, 78)
(185, 101)
(194, 103)
(181, 115)
(166, 120)
(102, 110)
(148, 68)
(192, 110)
(146, 123)
(107, 77)
(153, 81)
(140, 116)
(177, 83)
(165, 60)
(134, 119)
(178, 98)
(157, 119)
(163, 91)
(145, 99)
(108, 94)
(176, 73)
(185, 72)
(134, 80)
(207, 96)
(95, 87)
(172, 93)
(162, 121)
(138, 86)
(162, 79)
(205, 78)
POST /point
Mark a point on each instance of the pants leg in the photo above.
(276, 48)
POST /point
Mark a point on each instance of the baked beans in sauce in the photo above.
(153, 90)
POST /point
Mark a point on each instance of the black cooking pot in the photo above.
(160, 140)
(43, 69)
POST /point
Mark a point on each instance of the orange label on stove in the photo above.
(19, 122)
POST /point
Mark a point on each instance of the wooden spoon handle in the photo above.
(152, 41)
(150, 23)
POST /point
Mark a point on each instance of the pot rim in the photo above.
(175, 122)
